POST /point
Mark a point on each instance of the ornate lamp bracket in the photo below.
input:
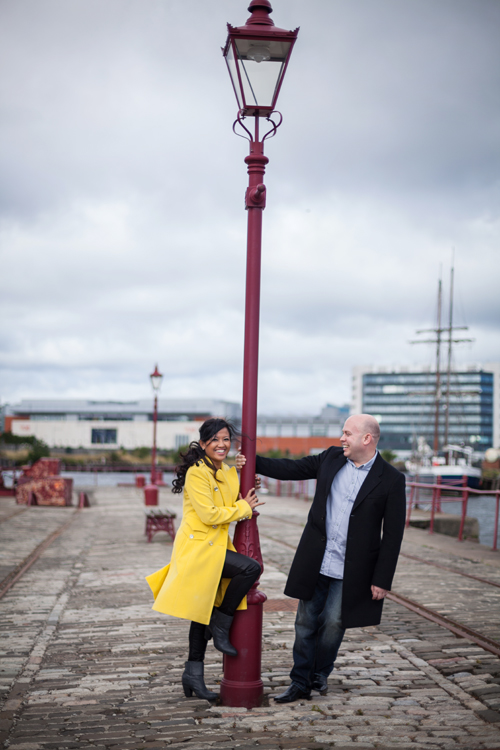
(249, 137)
(239, 121)
(274, 125)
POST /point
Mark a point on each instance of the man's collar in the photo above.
(366, 466)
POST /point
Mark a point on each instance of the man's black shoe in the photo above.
(320, 683)
(293, 693)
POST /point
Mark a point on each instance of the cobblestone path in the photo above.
(86, 663)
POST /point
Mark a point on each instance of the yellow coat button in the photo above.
(214, 526)
(211, 544)
(191, 536)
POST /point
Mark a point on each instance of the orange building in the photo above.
(296, 446)
(301, 435)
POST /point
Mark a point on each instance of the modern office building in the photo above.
(114, 424)
(403, 400)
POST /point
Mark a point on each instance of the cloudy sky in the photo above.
(122, 222)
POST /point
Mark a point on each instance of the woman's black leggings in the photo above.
(243, 572)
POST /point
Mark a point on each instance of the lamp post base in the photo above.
(241, 685)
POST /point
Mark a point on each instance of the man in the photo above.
(345, 563)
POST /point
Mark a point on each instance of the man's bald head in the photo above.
(370, 425)
(360, 436)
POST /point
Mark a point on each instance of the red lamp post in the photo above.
(156, 378)
(257, 56)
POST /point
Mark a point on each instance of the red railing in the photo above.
(437, 499)
(300, 489)
(287, 488)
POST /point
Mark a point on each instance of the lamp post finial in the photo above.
(260, 10)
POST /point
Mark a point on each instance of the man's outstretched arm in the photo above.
(284, 468)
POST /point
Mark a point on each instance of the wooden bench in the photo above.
(158, 519)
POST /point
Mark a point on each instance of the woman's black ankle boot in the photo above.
(193, 681)
(219, 629)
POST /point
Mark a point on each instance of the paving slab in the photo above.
(87, 663)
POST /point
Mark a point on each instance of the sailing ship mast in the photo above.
(448, 368)
(439, 331)
(437, 392)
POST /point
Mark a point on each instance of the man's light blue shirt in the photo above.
(343, 492)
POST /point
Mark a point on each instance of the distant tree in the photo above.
(177, 454)
(39, 450)
(142, 452)
(388, 455)
(9, 439)
(490, 479)
(277, 453)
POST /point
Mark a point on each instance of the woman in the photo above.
(206, 580)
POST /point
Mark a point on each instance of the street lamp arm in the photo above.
(256, 197)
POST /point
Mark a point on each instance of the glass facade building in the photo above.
(404, 404)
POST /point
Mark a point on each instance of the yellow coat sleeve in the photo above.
(199, 489)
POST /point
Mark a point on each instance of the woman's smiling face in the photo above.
(217, 447)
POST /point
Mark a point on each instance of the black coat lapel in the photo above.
(374, 477)
(334, 468)
(330, 469)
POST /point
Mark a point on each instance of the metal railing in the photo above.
(437, 499)
(303, 488)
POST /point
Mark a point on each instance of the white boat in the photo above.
(459, 464)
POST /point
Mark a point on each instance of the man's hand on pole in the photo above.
(240, 461)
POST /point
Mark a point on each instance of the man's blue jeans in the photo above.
(318, 632)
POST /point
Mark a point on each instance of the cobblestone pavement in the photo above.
(86, 662)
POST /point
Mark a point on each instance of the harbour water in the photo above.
(89, 479)
(482, 508)
(82, 479)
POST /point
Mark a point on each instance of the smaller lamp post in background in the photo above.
(151, 491)
(156, 378)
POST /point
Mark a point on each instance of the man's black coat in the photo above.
(371, 554)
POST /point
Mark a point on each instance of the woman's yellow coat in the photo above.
(190, 586)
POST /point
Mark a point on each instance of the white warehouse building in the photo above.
(114, 424)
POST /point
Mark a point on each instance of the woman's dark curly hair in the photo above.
(195, 452)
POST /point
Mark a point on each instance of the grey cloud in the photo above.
(121, 207)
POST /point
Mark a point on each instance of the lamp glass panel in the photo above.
(156, 381)
(261, 79)
(233, 72)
